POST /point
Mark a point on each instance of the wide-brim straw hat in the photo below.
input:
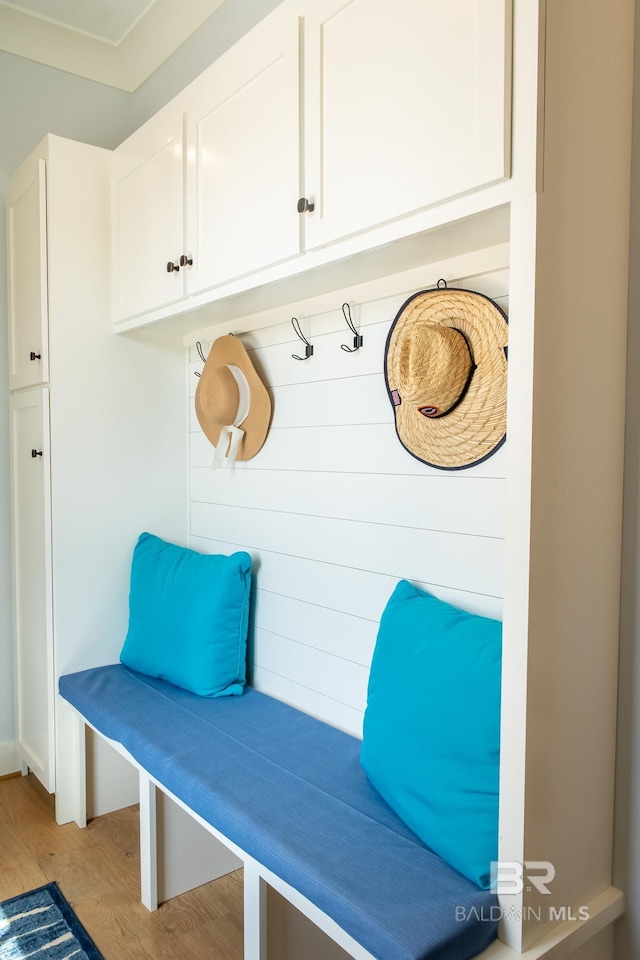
(446, 373)
(231, 394)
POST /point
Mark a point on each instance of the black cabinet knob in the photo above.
(35, 356)
(36, 453)
(304, 206)
(171, 267)
(186, 261)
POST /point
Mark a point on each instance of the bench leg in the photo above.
(255, 914)
(71, 766)
(148, 843)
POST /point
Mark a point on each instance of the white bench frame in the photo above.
(562, 942)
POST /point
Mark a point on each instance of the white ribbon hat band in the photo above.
(231, 435)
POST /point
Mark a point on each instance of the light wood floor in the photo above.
(98, 870)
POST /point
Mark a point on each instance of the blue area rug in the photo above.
(41, 924)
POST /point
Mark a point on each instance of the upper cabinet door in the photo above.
(27, 268)
(243, 158)
(148, 217)
(407, 104)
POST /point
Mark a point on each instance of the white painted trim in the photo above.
(124, 65)
(9, 759)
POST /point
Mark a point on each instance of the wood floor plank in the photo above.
(117, 838)
(207, 904)
(19, 870)
(97, 869)
(31, 811)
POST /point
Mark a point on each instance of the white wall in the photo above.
(36, 100)
(335, 511)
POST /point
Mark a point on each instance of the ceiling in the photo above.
(117, 42)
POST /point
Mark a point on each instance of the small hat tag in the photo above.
(227, 447)
(395, 398)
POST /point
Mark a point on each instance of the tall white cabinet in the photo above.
(33, 613)
(96, 422)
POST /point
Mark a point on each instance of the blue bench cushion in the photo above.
(289, 791)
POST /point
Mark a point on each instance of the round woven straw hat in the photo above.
(232, 400)
(446, 373)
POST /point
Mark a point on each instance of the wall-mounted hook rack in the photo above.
(358, 340)
(308, 347)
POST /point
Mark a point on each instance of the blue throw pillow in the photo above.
(188, 617)
(431, 742)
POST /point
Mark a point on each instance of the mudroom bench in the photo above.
(286, 793)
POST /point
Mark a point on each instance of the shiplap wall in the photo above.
(334, 511)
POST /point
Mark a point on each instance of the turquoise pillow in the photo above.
(431, 742)
(188, 617)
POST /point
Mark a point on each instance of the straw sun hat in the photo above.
(232, 403)
(446, 373)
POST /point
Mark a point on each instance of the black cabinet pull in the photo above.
(36, 453)
(35, 356)
(171, 267)
(304, 206)
(186, 261)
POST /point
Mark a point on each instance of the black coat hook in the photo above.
(358, 340)
(308, 348)
(200, 354)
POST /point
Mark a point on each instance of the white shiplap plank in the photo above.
(325, 708)
(361, 448)
(343, 635)
(355, 399)
(456, 504)
(339, 679)
(350, 399)
(357, 592)
(469, 563)
(329, 361)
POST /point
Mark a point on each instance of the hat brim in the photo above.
(476, 427)
(229, 350)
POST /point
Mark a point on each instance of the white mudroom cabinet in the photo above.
(326, 120)
(219, 163)
(95, 424)
(32, 599)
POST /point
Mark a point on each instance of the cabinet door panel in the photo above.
(244, 157)
(406, 105)
(28, 313)
(31, 493)
(148, 204)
